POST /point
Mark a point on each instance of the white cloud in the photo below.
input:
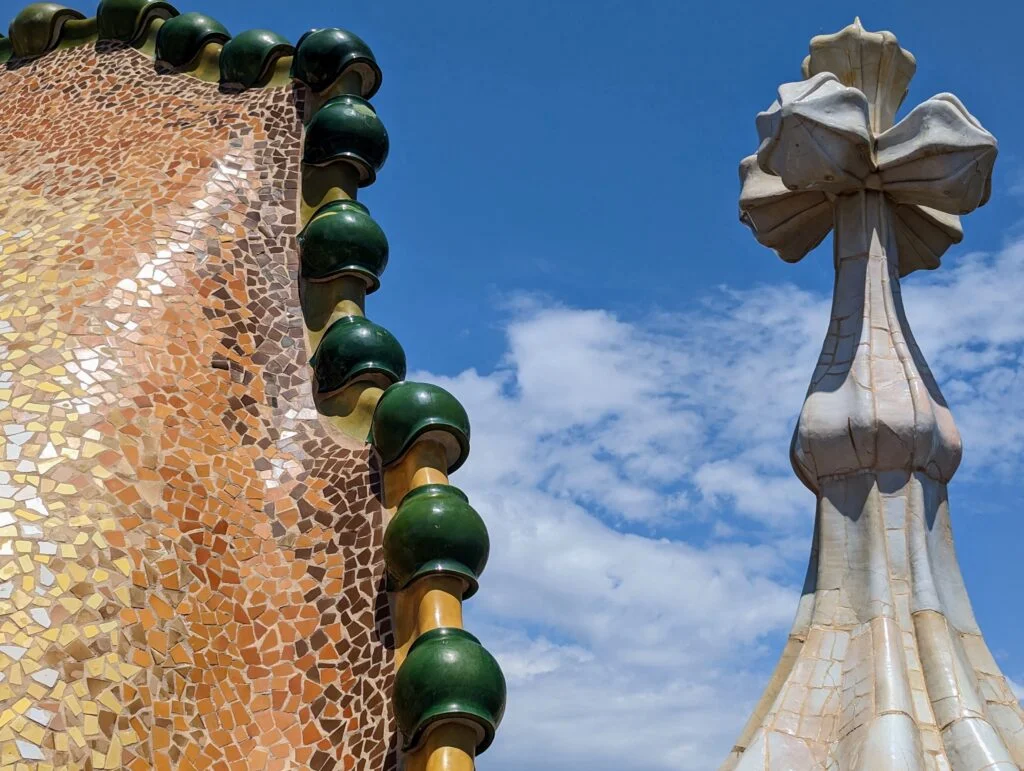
(622, 416)
(599, 714)
(969, 320)
(649, 535)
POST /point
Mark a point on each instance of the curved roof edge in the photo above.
(192, 43)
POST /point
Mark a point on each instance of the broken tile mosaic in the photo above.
(191, 572)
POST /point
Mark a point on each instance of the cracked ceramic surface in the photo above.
(191, 566)
(885, 667)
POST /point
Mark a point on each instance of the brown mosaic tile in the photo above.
(190, 562)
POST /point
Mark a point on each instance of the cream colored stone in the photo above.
(885, 668)
(790, 223)
(872, 61)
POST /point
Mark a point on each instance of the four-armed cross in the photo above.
(886, 668)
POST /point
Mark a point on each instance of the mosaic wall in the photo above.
(190, 568)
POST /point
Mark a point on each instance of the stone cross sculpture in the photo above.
(886, 668)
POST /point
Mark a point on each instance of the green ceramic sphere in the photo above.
(249, 56)
(36, 28)
(127, 20)
(448, 675)
(436, 532)
(324, 55)
(408, 411)
(347, 129)
(342, 238)
(354, 348)
(182, 37)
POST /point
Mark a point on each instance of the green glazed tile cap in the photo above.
(436, 532)
(6, 49)
(128, 20)
(341, 238)
(324, 55)
(448, 676)
(36, 29)
(250, 55)
(347, 129)
(411, 411)
(182, 37)
(354, 348)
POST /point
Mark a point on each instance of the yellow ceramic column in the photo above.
(432, 602)
(436, 545)
(450, 747)
(449, 691)
(342, 250)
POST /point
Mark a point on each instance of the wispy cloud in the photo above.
(970, 322)
(649, 535)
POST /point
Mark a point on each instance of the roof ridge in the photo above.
(191, 43)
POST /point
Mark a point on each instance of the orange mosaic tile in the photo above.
(190, 560)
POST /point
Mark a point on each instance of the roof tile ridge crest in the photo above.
(190, 43)
(449, 694)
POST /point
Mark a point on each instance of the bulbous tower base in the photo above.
(885, 668)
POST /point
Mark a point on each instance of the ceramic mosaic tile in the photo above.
(190, 562)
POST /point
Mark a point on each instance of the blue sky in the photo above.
(561, 202)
